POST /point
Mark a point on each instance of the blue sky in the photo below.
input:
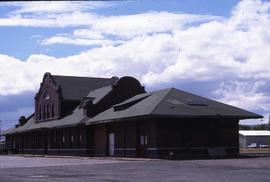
(217, 49)
(21, 41)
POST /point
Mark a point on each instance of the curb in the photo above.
(85, 158)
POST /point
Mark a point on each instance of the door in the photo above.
(100, 140)
(143, 142)
(45, 143)
(213, 135)
(111, 144)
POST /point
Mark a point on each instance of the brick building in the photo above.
(116, 117)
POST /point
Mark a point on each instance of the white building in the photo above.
(254, 138)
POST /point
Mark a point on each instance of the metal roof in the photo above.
(254, 132)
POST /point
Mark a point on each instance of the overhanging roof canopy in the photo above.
(164, 103)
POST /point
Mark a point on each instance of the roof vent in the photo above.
(126, 105)
(175, 102)
(197, 102)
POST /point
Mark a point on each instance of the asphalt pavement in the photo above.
(44, 169)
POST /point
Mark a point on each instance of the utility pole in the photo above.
(269, 122)
(0, 129)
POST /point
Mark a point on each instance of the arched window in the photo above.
(45, 110)
(46, 96)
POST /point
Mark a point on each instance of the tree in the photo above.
(261, 127)
(245, 127)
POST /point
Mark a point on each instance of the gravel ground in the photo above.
(15, 168)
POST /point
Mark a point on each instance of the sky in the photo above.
(217, 49)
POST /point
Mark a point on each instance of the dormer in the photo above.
(103, 98)
(88, 106)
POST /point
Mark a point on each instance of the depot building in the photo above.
(89, 116)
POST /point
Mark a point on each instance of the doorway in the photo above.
(143, 142)
(111, 144)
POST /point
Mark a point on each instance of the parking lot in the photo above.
(20, 168)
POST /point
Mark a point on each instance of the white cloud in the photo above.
(114, 30)
(64, 14)
(87, 33)
(52, 14)
(83, 37)
(73, 19)
(161, 47)
(244, 94)
(55, 7)
(128, 26)
(77, 41)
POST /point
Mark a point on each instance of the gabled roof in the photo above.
(254, 132)
(75, 88)
(171, 103)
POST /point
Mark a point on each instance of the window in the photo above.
(46, 96)
(71, 139)
(39, 114)
(52, 110)
(44, 109)
(44, 112)
(48, 111)
(143, 140)
(80, 138)
(54, 139)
